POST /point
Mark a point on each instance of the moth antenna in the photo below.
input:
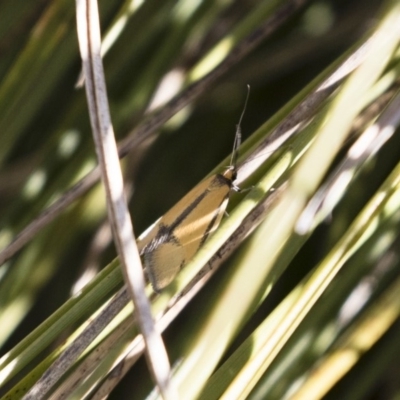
(238, 135)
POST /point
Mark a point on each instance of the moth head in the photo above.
(230, 173)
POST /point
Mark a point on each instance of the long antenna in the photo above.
(238, 135)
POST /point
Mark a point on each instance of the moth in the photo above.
(175, 238)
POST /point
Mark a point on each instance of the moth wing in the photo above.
(190, 222)
(205, 217)
(187, 203)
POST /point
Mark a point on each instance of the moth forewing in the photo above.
(170, 243)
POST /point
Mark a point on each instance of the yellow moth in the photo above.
(174, 239)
